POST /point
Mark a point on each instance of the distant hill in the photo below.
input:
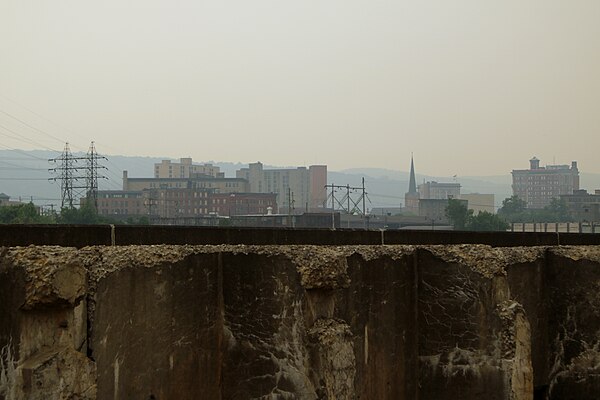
(25, 174)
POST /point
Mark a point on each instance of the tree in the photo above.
(22, 214)
(513, 209)
(85, 215)
(458, 214)
(558, 210)
(486, 221)
(463, 218)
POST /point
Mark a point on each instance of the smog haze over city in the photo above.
(471, 88)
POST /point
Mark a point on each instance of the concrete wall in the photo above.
(300, 322)
(90, 235)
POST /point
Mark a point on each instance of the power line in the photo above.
(352, 201)
(23, 138)
(45, 119)
(23, 152)
(19, 167)
(23, 179)
(31, 126)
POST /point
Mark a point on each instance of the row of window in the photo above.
(123, 203)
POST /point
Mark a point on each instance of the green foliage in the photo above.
(558, 211)
(22, 214)
(224, 222)
(463, 219)
(512, 206)
(84, 215)
(513, 210)
(458, 214)
(137, 221)
(486, 221)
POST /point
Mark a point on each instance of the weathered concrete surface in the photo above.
(43, 334)
(300, 322)
(574, 323)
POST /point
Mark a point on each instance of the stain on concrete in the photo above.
(300, 322)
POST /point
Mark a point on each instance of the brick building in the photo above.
(537, 186)
(230, 204)
(120, 203)
(180, 202)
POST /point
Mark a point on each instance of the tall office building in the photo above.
(306, 186)
(537, 186)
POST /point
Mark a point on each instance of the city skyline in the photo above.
(473, 89)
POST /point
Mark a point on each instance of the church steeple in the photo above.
(412, 186)
(411, 198)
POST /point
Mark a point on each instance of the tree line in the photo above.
(513, 209)
(27, 213)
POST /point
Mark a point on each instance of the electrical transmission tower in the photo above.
(352, 199)
(74, 183)
(92, 167)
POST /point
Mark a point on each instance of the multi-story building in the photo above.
(479, 202)
(172, 203)
(230, 204)
(306, 185)
(439, 190)
(196, 181)
(120, 203)
(537, 186)
(176, 203)
(583, 206)
(317, 192)
(185, 168)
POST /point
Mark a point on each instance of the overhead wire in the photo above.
(116, 177)
(30, 141)
(23, 152)
(23, 138)
(62, 128)
(32, 127)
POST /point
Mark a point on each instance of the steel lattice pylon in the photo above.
(78, 176)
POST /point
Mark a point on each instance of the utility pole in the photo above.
(293, 211)
(290, 196)
(364, 197)
(349, 203)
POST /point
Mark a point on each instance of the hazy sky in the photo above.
(471, 87)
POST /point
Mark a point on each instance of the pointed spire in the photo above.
(412, 186)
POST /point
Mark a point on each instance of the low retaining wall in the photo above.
(300, 322)
(122, 235)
